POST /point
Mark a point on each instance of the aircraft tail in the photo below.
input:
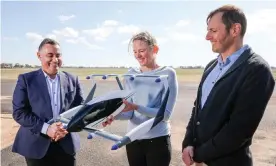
(91, 94)
(67, 115)
(161, 112)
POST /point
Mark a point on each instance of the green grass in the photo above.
(190, 75)
(81, 72)
(182, 74)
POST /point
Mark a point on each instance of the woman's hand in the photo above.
(129, 106)
(108, 121)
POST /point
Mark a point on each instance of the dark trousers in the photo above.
(55, 156)
(150, 152)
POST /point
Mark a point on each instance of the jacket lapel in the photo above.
(205, 74)
(207, 71)
(244, 56)
(41, 79)
(63, 90)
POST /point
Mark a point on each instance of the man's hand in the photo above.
(187, 155)
(129, 106)
(56, 131)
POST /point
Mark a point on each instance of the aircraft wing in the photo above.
(66, 116)
(100, 132)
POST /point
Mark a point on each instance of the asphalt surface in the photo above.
(96, 152)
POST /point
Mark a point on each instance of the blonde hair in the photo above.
(143, 36)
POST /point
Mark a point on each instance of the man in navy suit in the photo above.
(38, 97)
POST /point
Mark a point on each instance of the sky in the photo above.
(95, 33)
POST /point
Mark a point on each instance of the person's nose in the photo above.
(208, 36)
(55, 59)
(138, 55)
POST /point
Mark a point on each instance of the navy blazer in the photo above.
(32, 107)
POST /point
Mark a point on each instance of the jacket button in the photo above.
(197, 123)
(194, 140)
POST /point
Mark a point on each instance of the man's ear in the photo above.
(236, 29)
(155, 49)
(38, 55)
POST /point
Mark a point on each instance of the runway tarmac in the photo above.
(97, 152)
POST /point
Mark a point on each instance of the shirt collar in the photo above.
(232, 57)
(47, 76)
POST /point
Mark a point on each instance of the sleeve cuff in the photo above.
(45, 128)
(124, 116)
(141, 109)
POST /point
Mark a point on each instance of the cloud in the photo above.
(125, 41)
(120, 11)
(66, 32)
(72, 41)
(262, 21)
(104, 30)
(99, 38)
(34, 36)
(51, 36)
(180, 32)
(99, 33)
(83, 40)
(64, 18)
(108, 27)
(110, 23)
(128, 29)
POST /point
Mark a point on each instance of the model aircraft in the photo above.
(95, 110)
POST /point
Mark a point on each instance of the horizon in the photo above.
(96, 34)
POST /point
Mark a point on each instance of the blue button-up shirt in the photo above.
(54, 93)
(217, 72)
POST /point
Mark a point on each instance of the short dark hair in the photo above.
(231, 14)
(47, 41)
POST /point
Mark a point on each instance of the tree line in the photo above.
(18, 65)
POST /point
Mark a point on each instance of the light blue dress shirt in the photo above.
(218, 71)
(54, 93)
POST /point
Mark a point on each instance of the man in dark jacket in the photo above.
(232, 96)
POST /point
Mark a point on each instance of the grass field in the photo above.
(189, 75)
(183, 74)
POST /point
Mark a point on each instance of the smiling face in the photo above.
(50, 58)
(217, 34)
(144, 54)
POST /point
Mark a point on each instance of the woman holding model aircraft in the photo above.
(153, 148)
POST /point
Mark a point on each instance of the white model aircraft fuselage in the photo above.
(96, 110)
